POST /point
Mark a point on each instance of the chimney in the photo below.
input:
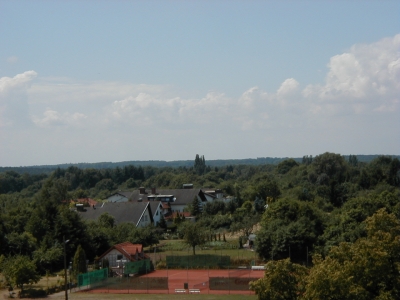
(142, 190)
(153, 190)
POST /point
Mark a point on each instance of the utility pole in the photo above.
(65, 268)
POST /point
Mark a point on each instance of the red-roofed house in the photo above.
(87, 201)
(119, 254)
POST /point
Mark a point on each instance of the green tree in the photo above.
(162, 223)
(106, 220)
(283, 280)
(199, 164)
(79, 264)
(193, 234)
(48, 259)
(19, 270)
(366, 269)
(289, 227)
(286, 165)
(195, 209)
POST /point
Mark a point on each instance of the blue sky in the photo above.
(89, 81)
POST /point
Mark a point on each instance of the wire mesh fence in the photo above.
(205, 281)
(93, 277)
(138, 267)
(198, 261)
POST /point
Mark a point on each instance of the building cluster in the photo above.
(143, 206)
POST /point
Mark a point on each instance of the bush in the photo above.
(240, 261)
(33, 293)
(162, 264)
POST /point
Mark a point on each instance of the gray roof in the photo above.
(183, 196)
(153, 206)
(123, 212)
(122, 193)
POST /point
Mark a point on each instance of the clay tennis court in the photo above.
(233, 281)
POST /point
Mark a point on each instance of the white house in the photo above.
(119, 254)
(119, 197)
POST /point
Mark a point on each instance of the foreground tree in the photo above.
(283, 280)
(367, 269)
(18, 271)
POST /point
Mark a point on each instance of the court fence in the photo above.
(198, 261)
(205, 281)
(93, 277)
(139, 267)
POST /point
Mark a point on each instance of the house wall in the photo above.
(117, 198)
(177, 208)
(209, 198)
(145, 220)
(157, 215)
(113, 256)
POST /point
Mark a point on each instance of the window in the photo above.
(119, 256)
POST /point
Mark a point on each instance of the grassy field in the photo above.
(178, 247)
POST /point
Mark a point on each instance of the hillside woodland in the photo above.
(329, 222)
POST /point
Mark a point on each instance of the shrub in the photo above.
(33, 293)
(162, 264)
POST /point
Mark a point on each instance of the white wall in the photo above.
(112, 257)
(157, 215)
(117, 198)
(145, 220)
(176, 208)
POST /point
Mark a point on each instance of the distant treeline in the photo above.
(47, 169)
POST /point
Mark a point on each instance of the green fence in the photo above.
(198, 261)
(230, 283)
(92, 277)
(139, 267)
(134, 283)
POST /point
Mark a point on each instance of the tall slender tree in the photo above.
(79, 264)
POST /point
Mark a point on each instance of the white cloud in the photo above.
(20, 81)
(364, 79)
(14, 109)
(54, 118)
(361, 85)
(288, 87)
(12, 59)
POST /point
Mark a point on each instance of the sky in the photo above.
(93, 81)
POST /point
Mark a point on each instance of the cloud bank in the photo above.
(361, 91)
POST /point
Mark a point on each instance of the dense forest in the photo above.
(299, 209)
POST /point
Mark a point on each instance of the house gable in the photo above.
(118, 254)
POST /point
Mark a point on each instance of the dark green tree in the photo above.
(199, 164)
(353, 160)
(195, 209)
(79, 265)
(162, 223)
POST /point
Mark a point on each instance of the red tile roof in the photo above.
(129, 250)
(186, 214)
(89, 201)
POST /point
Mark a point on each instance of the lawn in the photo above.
(178, 247)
